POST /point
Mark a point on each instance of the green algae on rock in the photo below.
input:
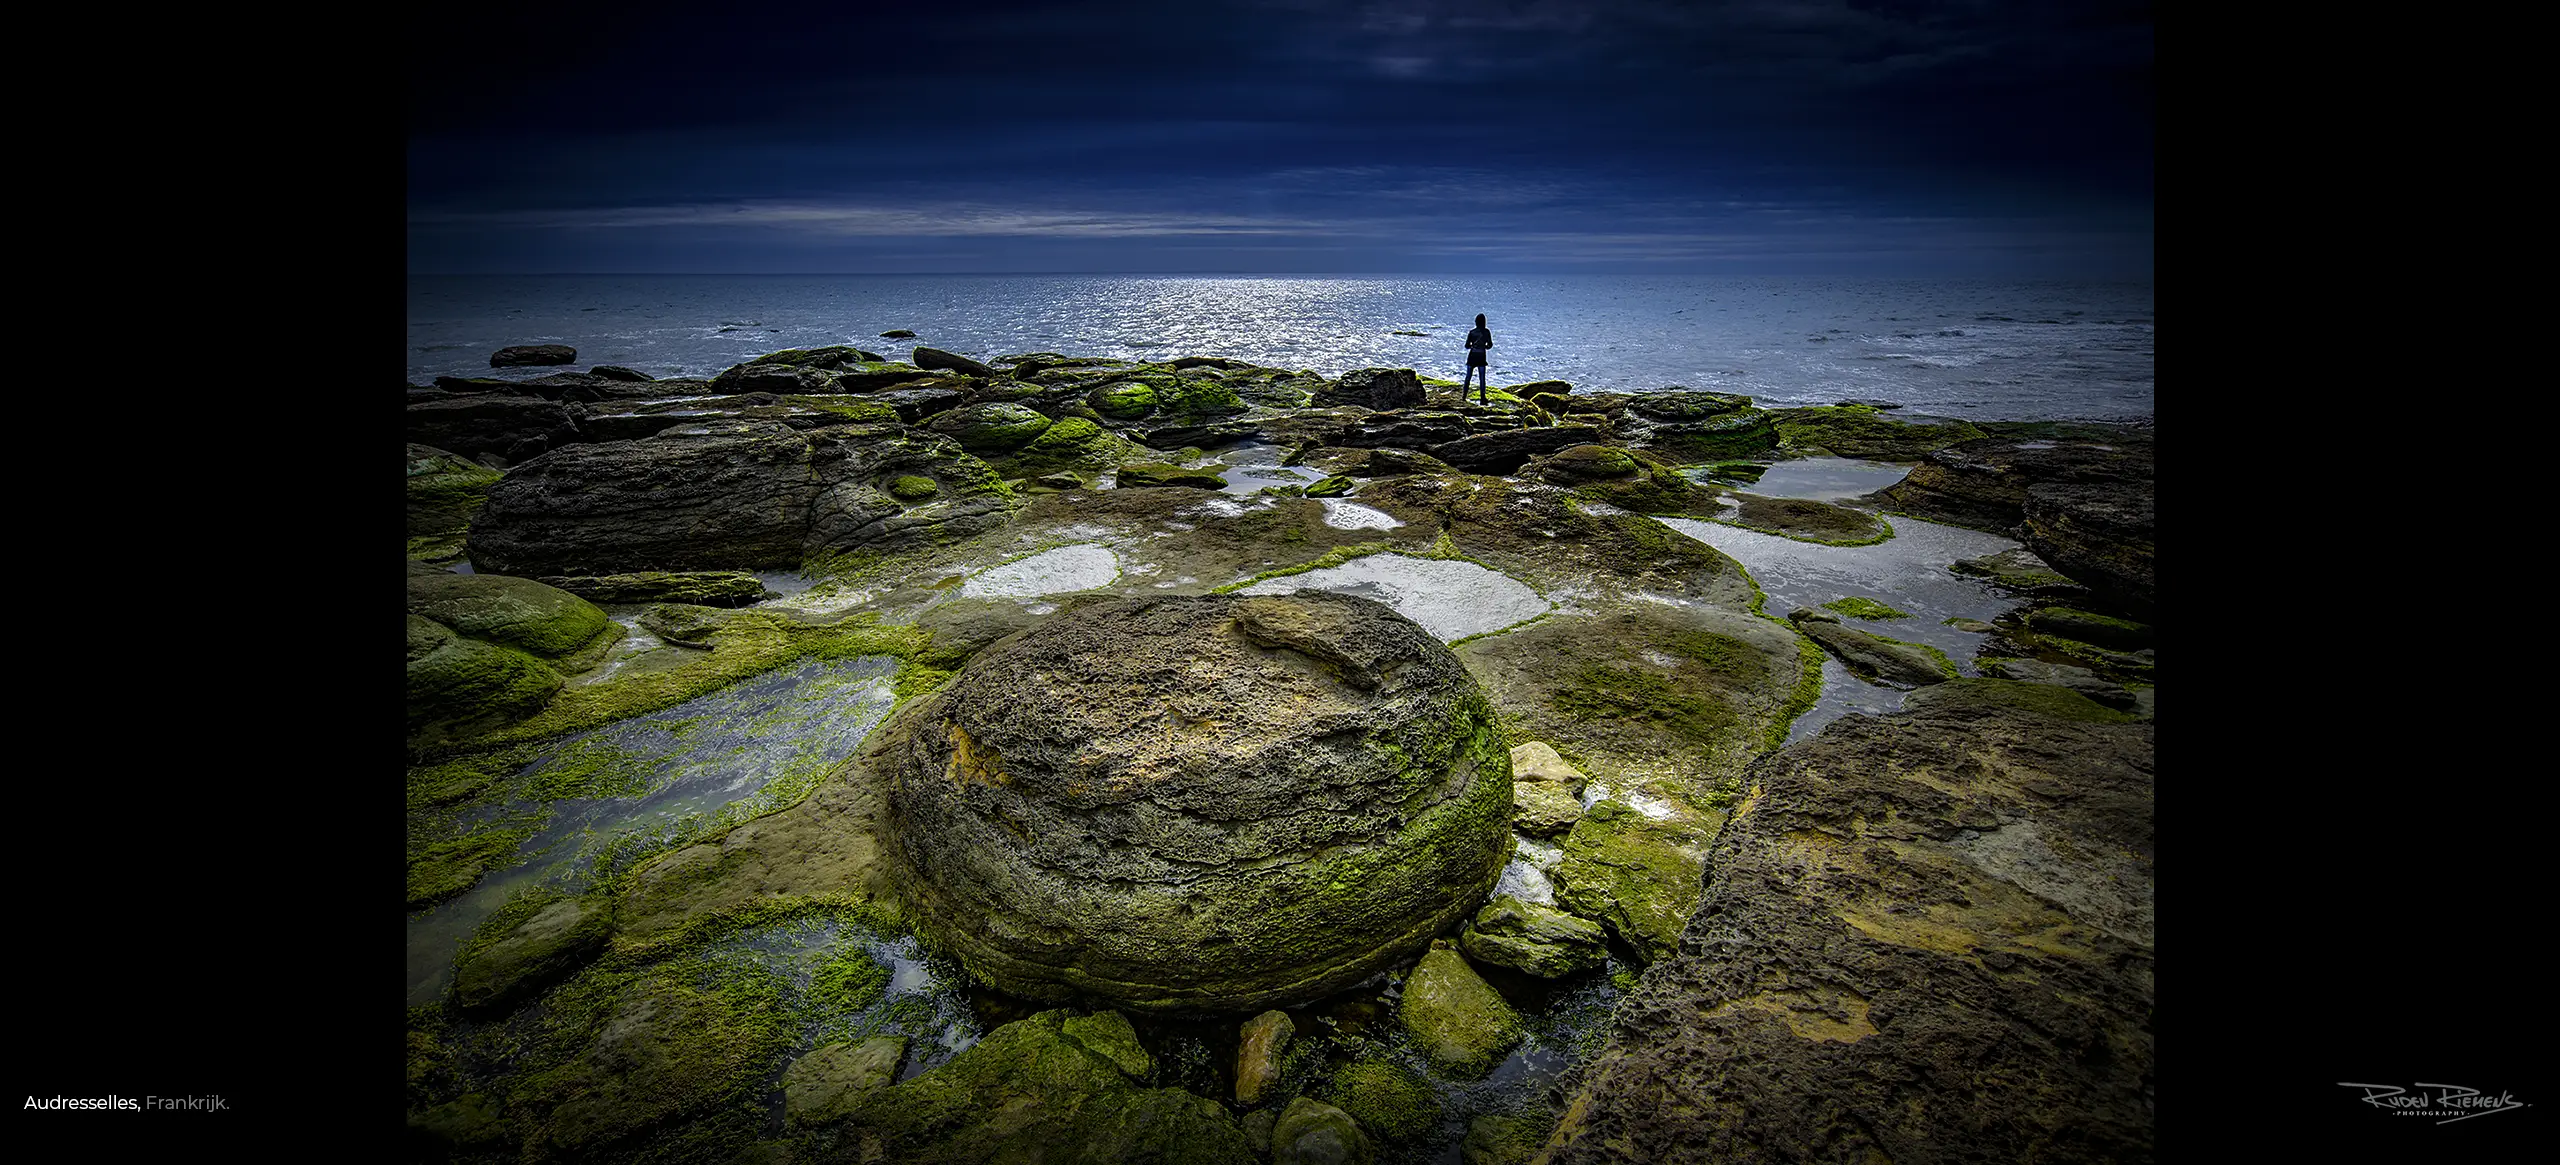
(1219, 803)
(1534, 939)
(1460, 1022)
(1634, 872)
(1385, 1097)
(1032, 1090)
(1861, 607)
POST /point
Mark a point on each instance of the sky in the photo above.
(1793, 137)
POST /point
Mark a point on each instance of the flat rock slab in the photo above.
(1927, 937)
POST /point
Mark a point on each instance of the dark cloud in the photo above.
(1329, 127)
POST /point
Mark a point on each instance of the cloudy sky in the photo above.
(1937, 138)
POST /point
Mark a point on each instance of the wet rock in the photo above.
(1805, 519)
(1144, 474)
(2063, 675)
(990, 428)
(937, 358)
(1332, 487)
(519, 613)
(916, 404)
(1983, 483)
(1210, 436)
(1634, 873)
(825, 1084)
(472, 1122)
(444, 490)
(454, 680)
(1854, 430)
(618, 372)
(2097, 533)
(1537, 388)
(1506, 452)
(2090, 627)
(523, 354)
(1878, 659)
(897, 334)
(776, 378)
(1110, 1035)
(482, 426)
(557, 940)
(1314, 1133)
(1582, 463)
(2016, 569)
(666, 1051)
(1125, 401)
(1715, 436)
(1385, 1097)
(1927, 937)
(731, 496)
(1218, 803)
(1265, 1040)
(1074, 445)
(1543, 808)
(1537, 940)
(1033, 1091)
(1374, 388)
(1811, 615)
(706, 588)
(1503, 1140)
(1537, 760)
(1461, 1024)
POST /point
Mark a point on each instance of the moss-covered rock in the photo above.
(1126, 400)
(472, 1123)
(1075, 816)
(1588, 462)
(1074, 445)
(1314, 1133)
(557, 940)
(1385, 1097)
(1537, 940)
(1636, 874)
(2017, 569)
(1543, 808)
(1110, 1035)
(1503, 1140)
(520, 613)
(1195, 397)
(990, 428)
(1854, 430)
(445, 489)
(457, 680)
(1861, 607)
(826, 1084)
(667, 1050)
(1878, 659)
(1332, 487)
(910, 487)
(708, 588)
(1808, 520)
(1458, 1020)
(1030, 1092)
(2090, 627)
(1145, 474)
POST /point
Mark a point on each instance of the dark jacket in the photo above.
(1478, 339)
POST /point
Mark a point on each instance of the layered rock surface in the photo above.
(1210, 803)
(1925, 937)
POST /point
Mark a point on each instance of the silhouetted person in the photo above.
(1477, 341)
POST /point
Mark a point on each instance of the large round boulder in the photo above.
(1199, 804)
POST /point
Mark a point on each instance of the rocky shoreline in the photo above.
(1282, 768)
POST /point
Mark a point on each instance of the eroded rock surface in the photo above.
(1218, 803)
(1927, 937)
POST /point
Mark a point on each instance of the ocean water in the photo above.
(1976, 349)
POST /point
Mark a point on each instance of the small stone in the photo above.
(1543, 808)
(1538, 940)
(1461, 1023)
(1314, 1133)
(1266, 1037)
(1538, 761)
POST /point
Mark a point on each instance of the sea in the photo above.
(1970, 349)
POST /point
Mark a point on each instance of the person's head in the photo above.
(1479, 320)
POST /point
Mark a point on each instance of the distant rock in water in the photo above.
(897, 334)
(1203, 804)
(524, 354)
(937, 358)
(618, 372)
